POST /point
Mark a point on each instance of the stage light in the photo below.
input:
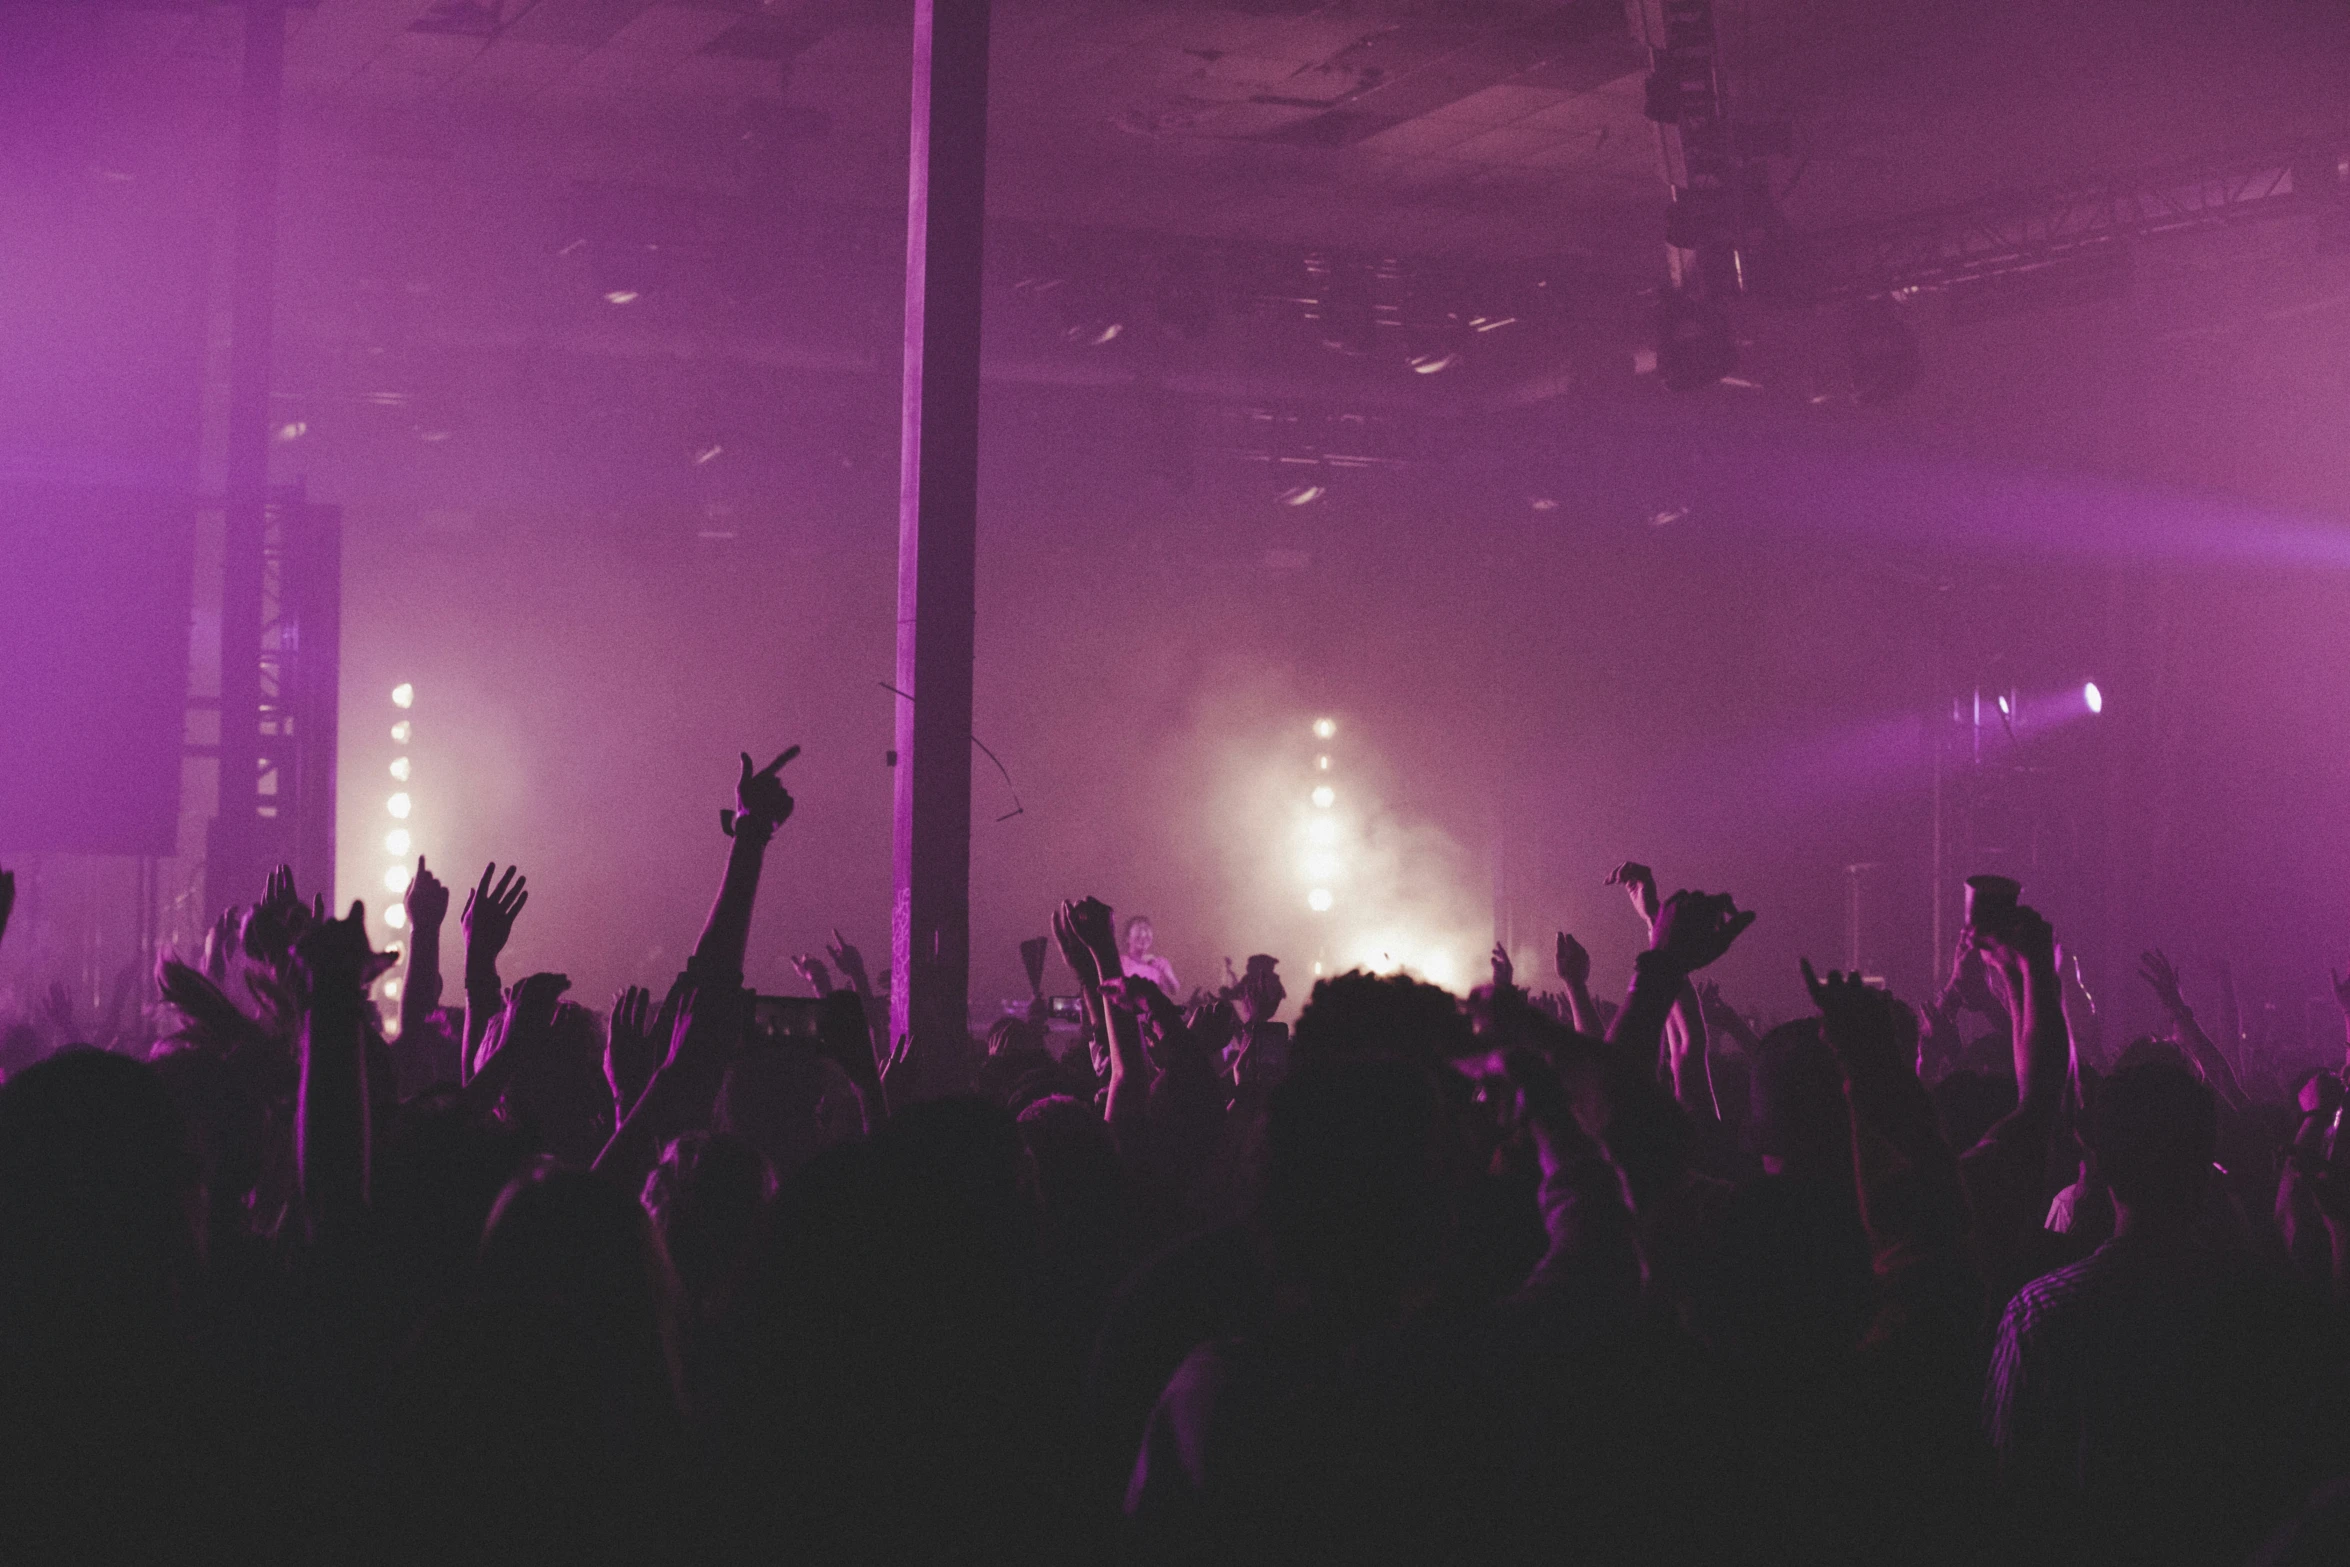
(1319, 900)
(2093, 698)
(1324, 728)
(400, 768)
(1303, 494)
(2004, 710)
(621, 296)
(1322, 831)
(391, 990)
(401, 731)
(1325, 797)
(397, 843)
(395, 916)
(1321, 867)
(395, 879)
(398, 805)
(403, 695)
(1435, 364)
(1322, 763)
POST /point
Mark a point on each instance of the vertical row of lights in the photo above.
(399, 841)
(1322, 861)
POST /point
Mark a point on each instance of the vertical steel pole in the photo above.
(938, 499)
(234, 868)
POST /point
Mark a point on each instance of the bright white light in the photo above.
(1324, 728)
(2003, 707)
(401, 731)
(1322, 831)
(395, 916)
(403, 695)
(400, 768)
(391, 990)
(395, 878)
(1325, 797)
(397, 843)
(2094, 697)
(398, 806)
(1321, 866)
(1317, 971)
(1319, 900)
(621, 296)
(1434, 364)
(1303, 494)
(1322, 762)
(293, 430)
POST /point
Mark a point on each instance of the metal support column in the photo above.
(938, 498)
(234, 863)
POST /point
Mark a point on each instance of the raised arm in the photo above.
(488, 919)
(2162, 977)
(1692, 929)
(331, 1118)
(1574, 965)
(762, 805)
(420, 990)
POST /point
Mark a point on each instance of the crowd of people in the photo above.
(1424, 1278)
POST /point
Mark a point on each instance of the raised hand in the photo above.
(1640, 883)
(849, 961)
(489, 914)
(632, 1052)
(759, 796)
(1091, 920)
(273, 924)
(1860, 1022)
(1505, 972)
(427, 899)
(1574, 964)
(812, 970)
(334, 959)
(1692, 929)
(1074, 950)
(2162, 977)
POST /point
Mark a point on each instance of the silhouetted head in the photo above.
(2153, 1128)
(99, 1197)
(704, 1199)
(574, 1240)
(1390, 1015)
(789, 1103)
(1354, 1195)
(1797, 1118)
(561, 1095)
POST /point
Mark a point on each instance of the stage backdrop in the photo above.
(94, 596)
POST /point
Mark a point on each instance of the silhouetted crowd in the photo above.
(720, 1277)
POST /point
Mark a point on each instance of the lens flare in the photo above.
(401, 731)
(400, 768)
(1325, 797)
(397, 843)
(403, 695)
(398, 805)
(395, 878)
(395, 916)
